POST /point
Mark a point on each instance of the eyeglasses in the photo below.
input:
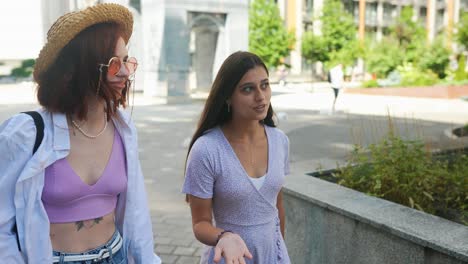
(115, 64)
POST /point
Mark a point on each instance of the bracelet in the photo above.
(221, 234)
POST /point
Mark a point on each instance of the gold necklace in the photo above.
(88, 135)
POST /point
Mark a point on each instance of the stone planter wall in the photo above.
(328, 223)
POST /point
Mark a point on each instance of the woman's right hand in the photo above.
(232, 248)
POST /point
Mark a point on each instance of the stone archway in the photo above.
(204, 34)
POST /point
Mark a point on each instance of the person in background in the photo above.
(336, 79)
(236, 166)
(80, 197)
(282, 74)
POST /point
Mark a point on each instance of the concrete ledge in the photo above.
(328, 223)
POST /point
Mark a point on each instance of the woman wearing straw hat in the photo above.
(71, 186)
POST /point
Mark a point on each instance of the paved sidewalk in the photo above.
(319, 138)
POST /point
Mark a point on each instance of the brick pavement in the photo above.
(163, 133)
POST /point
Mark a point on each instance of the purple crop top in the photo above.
(67, 198)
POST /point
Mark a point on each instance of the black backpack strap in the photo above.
(39, 122)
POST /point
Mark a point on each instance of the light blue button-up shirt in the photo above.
(22, 181)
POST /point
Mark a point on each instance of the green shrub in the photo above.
(383, 57)
(462, 30)
(435, 58)
(406, 173)
(25, 70)
(452, 191)
(460, 73)
(410, 35)
(370, 84)
(412, 76)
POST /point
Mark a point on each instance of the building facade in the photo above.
(180, 44)
(187, 42)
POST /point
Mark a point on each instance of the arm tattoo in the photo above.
(87, 223)
(79, 225)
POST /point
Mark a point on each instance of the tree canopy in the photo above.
(337, 42)
(268, 36)
(462, 30)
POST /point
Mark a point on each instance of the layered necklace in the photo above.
(88, 135)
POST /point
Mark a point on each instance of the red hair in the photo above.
(74, 76)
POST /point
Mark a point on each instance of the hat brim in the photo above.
(71, 24)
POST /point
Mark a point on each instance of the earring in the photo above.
(229, 107)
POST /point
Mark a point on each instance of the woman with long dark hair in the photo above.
(71, 187)
(236, 166)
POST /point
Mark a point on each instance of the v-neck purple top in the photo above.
(67, 198)
(214, 172)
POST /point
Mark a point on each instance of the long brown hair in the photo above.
(74, 76)
(229, 75)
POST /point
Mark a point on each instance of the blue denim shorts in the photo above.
(118, 257)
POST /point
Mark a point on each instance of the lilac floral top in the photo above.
(214, 172)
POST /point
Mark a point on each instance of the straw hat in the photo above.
(71, 24)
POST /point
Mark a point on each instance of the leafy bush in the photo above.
(410, 34)
(435, 58)
(25, 70)
(448, 82)
(412, 76)
(406, 173)
(370, 84)
(462, 29)
(460, 73)
(383, 57)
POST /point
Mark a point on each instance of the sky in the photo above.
(20, 29)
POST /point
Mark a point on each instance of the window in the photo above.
(136, 4)
(389, 11)
(371, 14)
(423, 15)
(308, 6)
(352, 7)
(464, 5)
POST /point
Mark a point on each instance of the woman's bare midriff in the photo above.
(80, 236)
